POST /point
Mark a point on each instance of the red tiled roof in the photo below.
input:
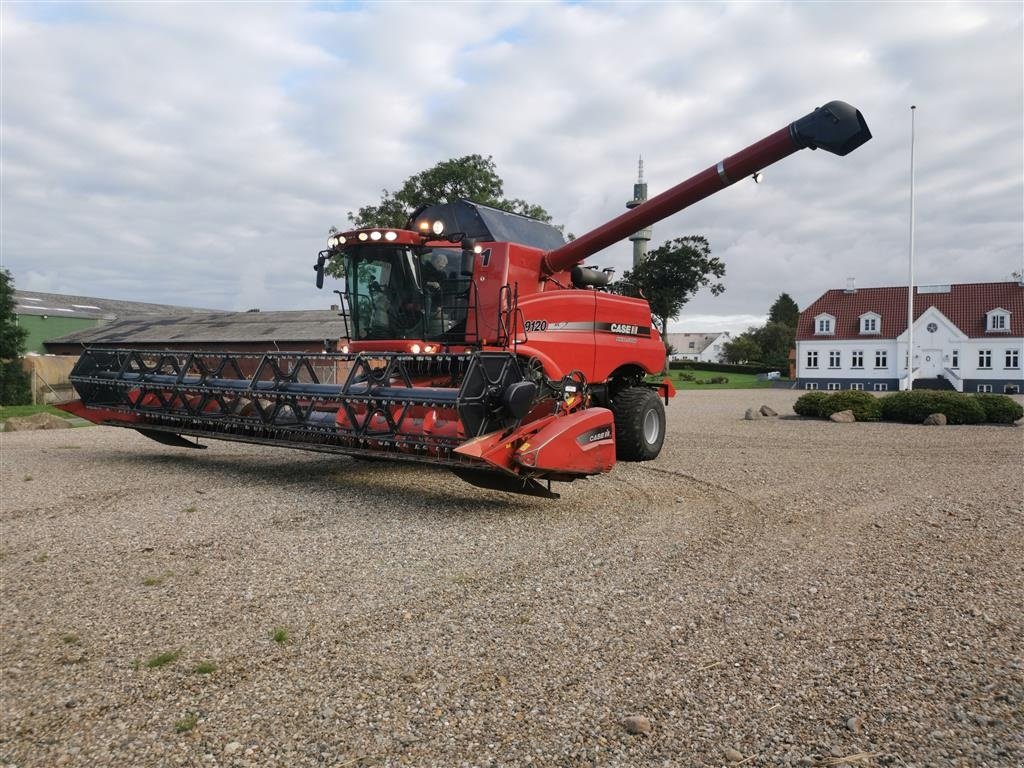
(965, 305)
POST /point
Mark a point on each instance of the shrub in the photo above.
(821, 405)
(865, 406)
(15, 384)
(1000, 409)
(684, 376)
(812, 404)
(713, 380)
(913, 407)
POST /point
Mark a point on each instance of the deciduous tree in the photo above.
(674, 272)
(473, 177)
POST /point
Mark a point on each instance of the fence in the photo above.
(49, 378)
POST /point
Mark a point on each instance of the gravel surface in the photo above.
(769, 592)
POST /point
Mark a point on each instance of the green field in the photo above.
(736, 380)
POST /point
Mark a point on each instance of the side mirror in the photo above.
(319, 267)
(468, 256)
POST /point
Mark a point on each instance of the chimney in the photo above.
(851, 285)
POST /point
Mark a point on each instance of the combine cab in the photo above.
(476, 339)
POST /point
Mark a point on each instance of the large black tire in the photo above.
(639, 424)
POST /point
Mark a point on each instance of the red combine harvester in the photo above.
(476, 341)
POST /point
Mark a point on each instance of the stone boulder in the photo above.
(35, 421)
(752, 414)
(637, 724)
(768, 411)
(843, 417)
(935, 420)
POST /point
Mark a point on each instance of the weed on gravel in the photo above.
(205, 668)
(280, 635)
(186, 724)
(162, 659)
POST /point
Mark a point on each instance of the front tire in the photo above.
(639, 424)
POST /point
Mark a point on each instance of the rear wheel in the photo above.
(639, 424)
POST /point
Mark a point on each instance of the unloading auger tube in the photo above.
(836, 127)
(534, 384)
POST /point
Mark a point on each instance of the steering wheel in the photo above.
(405, 315)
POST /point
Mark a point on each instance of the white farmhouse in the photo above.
(968, 337)
(705, 347)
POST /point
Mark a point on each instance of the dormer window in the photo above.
(998, 320)
(870, 322)
(824, 325)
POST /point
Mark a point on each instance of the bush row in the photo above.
(682, 365)
(912, 407)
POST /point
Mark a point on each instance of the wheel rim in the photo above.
(652, 427)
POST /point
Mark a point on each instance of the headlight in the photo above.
(389, 236)
(415, 349)
(344, 349)
(375, 235)
(438, 227)
(363, 236)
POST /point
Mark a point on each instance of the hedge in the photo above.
(821, 405)
(912, 407)
(696, 365)
(1000, 409)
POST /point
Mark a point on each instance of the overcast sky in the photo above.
(198, 154)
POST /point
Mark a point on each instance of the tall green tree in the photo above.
(675, 271)
(784, 311)
(771, 342)
(473, 177)
(14, 383)
(742, 349)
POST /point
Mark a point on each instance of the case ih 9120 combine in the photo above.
(476, 340)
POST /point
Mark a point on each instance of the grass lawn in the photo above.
(736, 380)
(6, 411)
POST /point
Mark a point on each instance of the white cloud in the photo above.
(154, 153)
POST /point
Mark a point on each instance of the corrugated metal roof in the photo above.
(965, 304)
(64, 305)
(291, 326)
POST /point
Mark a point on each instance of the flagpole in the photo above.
(910, 280)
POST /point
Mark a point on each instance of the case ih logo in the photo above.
(593, 435)
(624, 329)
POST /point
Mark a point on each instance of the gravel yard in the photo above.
(767, 592)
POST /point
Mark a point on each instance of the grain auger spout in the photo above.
(836, 127)
(475, 341)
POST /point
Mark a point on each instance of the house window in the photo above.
(811, 385)
(812, 359)
(692, 344)
(1012, 358)
(984, 387)
(997, 321)
(833, 385)
(857, 385)
(881, 358)
(956, 359)
(869, 325)
(1011, 389)
(984, 358)
(833, 359)
(857, 358)
(881, 387)
(824, 325)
